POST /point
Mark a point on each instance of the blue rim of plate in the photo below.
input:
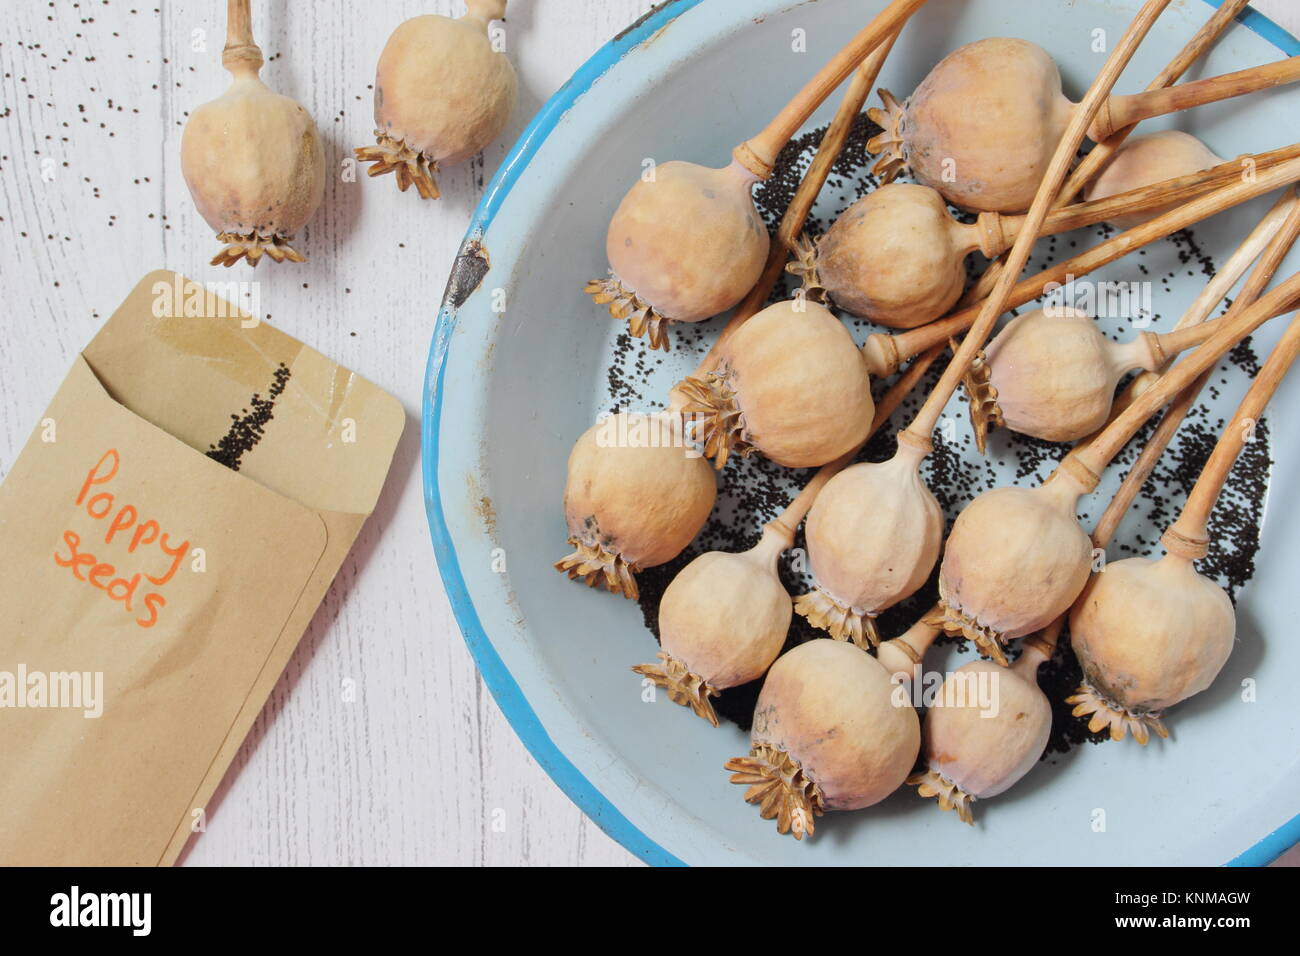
(505, 690)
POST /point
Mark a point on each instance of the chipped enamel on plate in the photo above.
(509, 392)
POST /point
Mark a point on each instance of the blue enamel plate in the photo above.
(523, 362)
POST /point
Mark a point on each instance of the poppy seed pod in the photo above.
(637, 494)
(791, 384)
(987, 728)
(1144, 160)
(874, 535)
(954, 130)
(828, 734)
(662, 273)
(1148, 634)
(895, 256)
(443, 92)
(722, 622)
(251, 157)
(1015, 561)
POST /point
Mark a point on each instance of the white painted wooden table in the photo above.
(421, 767)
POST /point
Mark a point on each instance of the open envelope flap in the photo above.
(257, 400)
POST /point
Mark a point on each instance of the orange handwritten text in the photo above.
(121, 524)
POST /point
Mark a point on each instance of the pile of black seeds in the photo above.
(248, 424)
(755, 490)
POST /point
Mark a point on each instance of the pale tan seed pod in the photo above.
(1148, 634)
(722, 622)
(791, 384)
(442, 94)
(981, 128)
(895, 256)
(1052, 374)
(829, 733)
(252, 158)
(987, 728)
(874, 535)
(1015, 561)
(1144, 160)
(637, 494)
(661, 272)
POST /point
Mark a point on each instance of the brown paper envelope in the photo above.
(309, 440)
(77, 789)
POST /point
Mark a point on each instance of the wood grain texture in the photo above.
(420, 767)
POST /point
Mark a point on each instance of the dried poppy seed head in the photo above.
(637, 493)
(685, 244)
(1148, 634)
(954, 130)
(791, 384)
(252, 159)
(796, 769)
(1015, 561)
(986, 729)
(1144, 160)
(722, 622)
(874, 535)
(895, 256)
(442, 94)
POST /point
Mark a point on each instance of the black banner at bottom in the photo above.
(335, 905)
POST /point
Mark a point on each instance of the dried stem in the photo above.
(759, 153)
(1192, 523)
(1227, 276)
(1264, 272)
(1092, 164)
(1280, 244)
(1044, 199)
(828, 151)
(1237, 264)
(241, 56)
(1002, 230)
(1137, 476)
(1180, 339)
(1036, 651)
(1167, 345)
(1121, 111)
(905, 654)
(883, 351)
(485, 11)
